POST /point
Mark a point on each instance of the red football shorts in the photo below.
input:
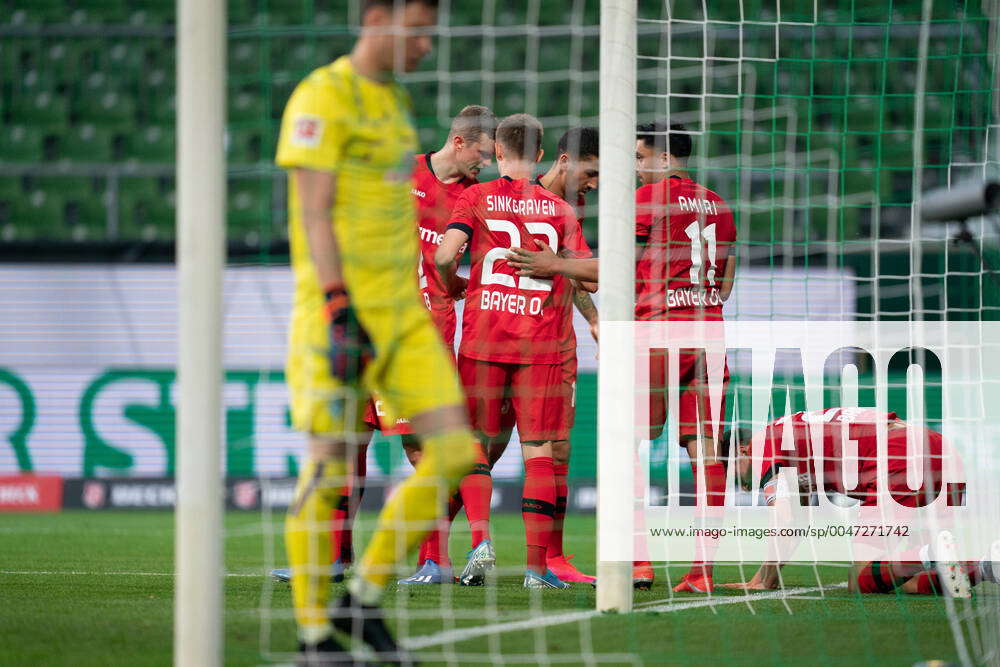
(445, 320)
(694, 402)
(540, 396)
(569, 377)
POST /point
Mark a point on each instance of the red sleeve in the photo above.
(644, 213)
(574, 243)
(463, 216)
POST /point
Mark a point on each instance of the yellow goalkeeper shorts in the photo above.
(412, 372)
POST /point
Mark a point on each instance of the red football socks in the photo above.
(538, 508)
(342, 518)
(715, 496)
(878, 577)
(435, 546)
(555, 548)
(476, 492)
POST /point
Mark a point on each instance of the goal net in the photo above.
(817, 124)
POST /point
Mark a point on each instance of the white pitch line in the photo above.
(464, 634)
(75, 573)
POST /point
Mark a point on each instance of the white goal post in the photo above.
(616, 235)
(201, 196)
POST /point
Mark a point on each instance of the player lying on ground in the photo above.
(925, 569)
(684, 272)
(358, 324)
(513, 328)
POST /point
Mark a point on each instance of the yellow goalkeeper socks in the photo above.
(411, 511)
(307, 540)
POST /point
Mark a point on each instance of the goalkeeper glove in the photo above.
(350, 347)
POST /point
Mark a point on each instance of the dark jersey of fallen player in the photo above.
(510, 318)
(831, 432)
(686, 232)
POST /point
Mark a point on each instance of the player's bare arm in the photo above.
(768, 575)
(544, 264)
(446, 260)
(316, 192)
(584, 304)
(728, 276)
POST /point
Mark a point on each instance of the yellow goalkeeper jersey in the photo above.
(360, 130)
(339, 121)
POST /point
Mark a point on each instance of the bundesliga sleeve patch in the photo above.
(307, 131)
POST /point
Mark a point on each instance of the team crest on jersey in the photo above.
(307, 131)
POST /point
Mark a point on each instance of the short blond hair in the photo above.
(521, 134)
(473, 122)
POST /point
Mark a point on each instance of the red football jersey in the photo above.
(862, 424)
(688, 231)
(510, 318)
(435, 201)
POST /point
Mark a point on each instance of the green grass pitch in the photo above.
(82, 588)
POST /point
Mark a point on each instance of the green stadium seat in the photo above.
(47, 11)
(21, 143)
(162, 111)
(86, 219)
(108, 12)
(139, 187)
(247, 147)
(283, 12)
(65, 188)
(154, 13)
(863, 114)
(149, 218)
(41, 108)
(246, 56)
(108, 108)
(249, 214)
(34, 82)
(245, 106)
(294, 57)
(333, 12)
(554, 53)
(87, 143)
(152, 143)
(39, 215)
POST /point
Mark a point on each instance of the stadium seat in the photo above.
(42, 108)
(39, 215)
(282, 13)
(152, 143)
(246, 106)
(154, 12)
(148, 218)
(246, 56)
(248, 147)
(294, 57)
(86, 143)
(86, 219)
(332, 12)
(110, 107)
(108, 12)
(21, 143)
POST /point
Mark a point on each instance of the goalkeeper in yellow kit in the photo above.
(358, 324)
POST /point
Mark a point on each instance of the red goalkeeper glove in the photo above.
(350, 347)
